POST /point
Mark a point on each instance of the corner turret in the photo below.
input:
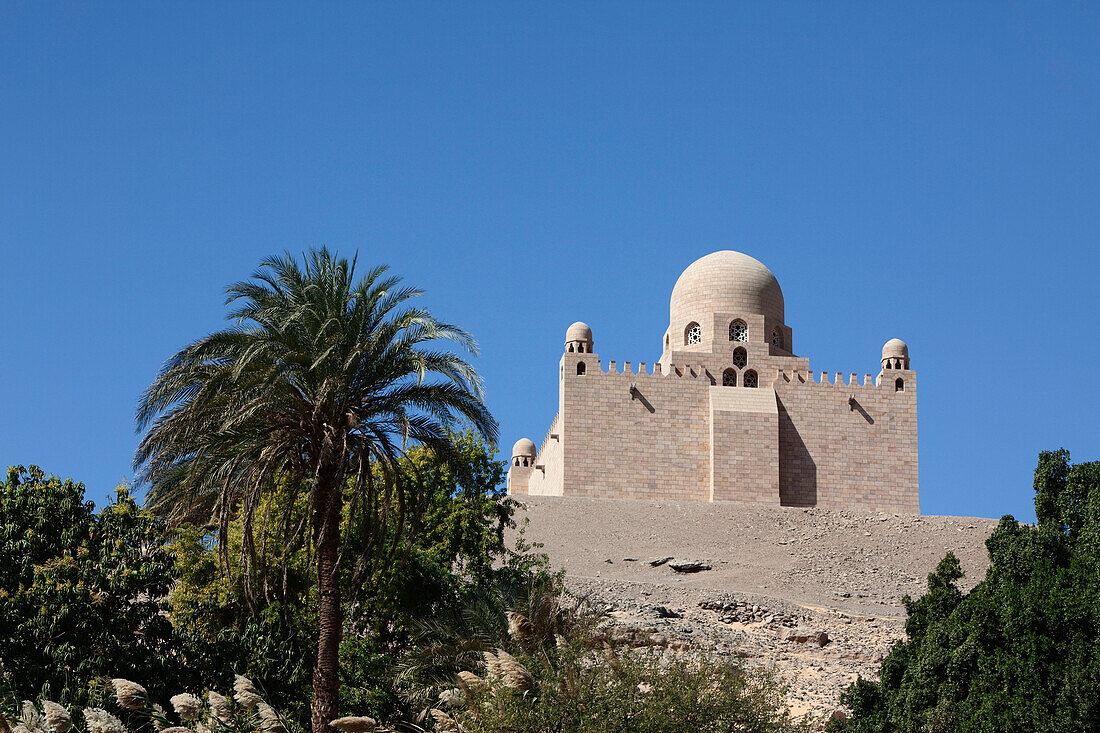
(895, 355)
(522, 464)
(895, 365)
(578, 338)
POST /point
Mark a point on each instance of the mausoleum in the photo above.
(728, 413)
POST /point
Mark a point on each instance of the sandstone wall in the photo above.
(547, 481)
(649, 444)
(675, 433)
(856, 454)
(744, 444)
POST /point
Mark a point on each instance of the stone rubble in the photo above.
(818, 653)
(815, 595)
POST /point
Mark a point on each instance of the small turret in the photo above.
(895, 355)
(523, 453)
(895, 366)
(523, 463)
(578, 338)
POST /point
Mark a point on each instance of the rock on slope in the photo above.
(814, 593)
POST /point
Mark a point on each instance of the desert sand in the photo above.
(780, 581)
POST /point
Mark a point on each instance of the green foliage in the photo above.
(545, 665)
(222, 634)
(1021, 651)
(460, 557)
(325, 380)
(639, 691)
(80, 591)
(459, 552)
(460, 542)
(456, 639)
(268, 631)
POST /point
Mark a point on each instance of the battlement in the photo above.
(798, 377)
(655, 369)
(546, 439)
(728, 412)
(680, 371)
(784, 377)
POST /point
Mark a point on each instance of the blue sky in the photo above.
(929, 171)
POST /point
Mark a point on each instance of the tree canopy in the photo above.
(80, 590)
(1021, 651)
(324, 379)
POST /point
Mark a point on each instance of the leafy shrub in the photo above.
(80, 591)
(1021, 651)
(583, 690)
(554, 671)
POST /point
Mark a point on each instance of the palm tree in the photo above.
(322, 384)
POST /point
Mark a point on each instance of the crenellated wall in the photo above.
(729, 412)
(651, 442)
(547, 478)
(846, 445)
(672, 431)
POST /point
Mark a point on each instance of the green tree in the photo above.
(221, 634)
(1021, 651)
(460, 551)
(323, 381)
(80, 591)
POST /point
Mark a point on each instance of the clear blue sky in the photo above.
(929, 171)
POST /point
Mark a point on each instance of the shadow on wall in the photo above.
(797, 470)
(854, 405)
(637, 395)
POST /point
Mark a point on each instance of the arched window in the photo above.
(899, 385)
(580, 368)
(777, 338)
(739, 331)
(729, 378)
(517, 461)
(570, 348)
(740, 358)
(750, 379)
(666, 340)
(525, 462)
(580, 348)
(693, 334)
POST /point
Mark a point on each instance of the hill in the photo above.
(781, 581)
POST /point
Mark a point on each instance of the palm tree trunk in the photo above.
(326, 674)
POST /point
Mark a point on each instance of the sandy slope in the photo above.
(772, 569)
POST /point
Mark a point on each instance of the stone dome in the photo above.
(523, 447)
(726, 282)
(579, 331)
(895, 349)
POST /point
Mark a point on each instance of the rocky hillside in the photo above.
(815, 594)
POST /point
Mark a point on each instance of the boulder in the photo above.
(804, 635)
(689, 566)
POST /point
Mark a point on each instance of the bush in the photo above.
(558, 673)
(1021, 651)
(582, 690)
(80, 591)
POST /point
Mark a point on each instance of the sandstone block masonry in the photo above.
(729, 412)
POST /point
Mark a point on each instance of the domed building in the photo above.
(728, 413)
